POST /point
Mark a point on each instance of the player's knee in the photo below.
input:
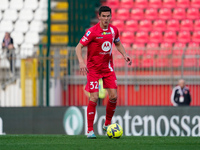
(94, 98)
(113, 97)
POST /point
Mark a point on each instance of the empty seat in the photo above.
(179, 48)
(193, 49)
(179, 13)
(141, 37)
(17, 37)
(26, 14)
(127, 37)
(36, 26)
(123, 14)
(183, 3)
(155, 3)
(176, 62)
(197, 25)
(190, 62)
(170, 36)
(41, 14)
(126, 3)
(113, 14)
(43, 4)
(138, 49)
(16, 4)
(165, 13)
(26, 50)
(10, 14)
(141, 3)
(0, 15)
(169, 3)
(131, 25)
(31, 4)
(119, 24)
(151, 13)
(113, 3)
(193, 13)
(127, 46)
(162, 62)
(152, 48)
(186, 25)
(165, 48)
(145, 25)
(173, 25)
(184, 36)
(6, 26)
(137, 14)
(32, 38)
(4, 4)
(21, 26)
(195, 3)
(147, 62)
(159, 25)
(196, 36)
(155, 36)
(2, 34)
(119, 62)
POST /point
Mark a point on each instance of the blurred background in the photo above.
(161, 36)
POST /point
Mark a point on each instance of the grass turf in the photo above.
(64, 142)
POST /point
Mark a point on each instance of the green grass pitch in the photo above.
(65, 142)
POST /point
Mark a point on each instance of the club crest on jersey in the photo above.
(88, 33)
(105, 33)
(106, 46)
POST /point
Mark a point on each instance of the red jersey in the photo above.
(99, 43)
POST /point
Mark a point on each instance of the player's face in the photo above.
(104, 18)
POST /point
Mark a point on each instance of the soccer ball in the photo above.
(114, 131)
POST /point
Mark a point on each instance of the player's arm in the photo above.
(82, 65)
(121, 49)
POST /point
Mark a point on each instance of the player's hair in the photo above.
(104, 9)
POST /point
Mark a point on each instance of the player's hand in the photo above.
(128, 59)
(83, 68)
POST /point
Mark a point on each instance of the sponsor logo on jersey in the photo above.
(99, 37)
(88, 33)
(104, 53)
(84, 39)
(105, 33)
(106, 46)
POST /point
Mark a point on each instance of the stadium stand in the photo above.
(141, 3)
(169, 3)
(155, 3)
(186, 25)
(159, 25)
(131, 25)
(151, 13)
(127, 37)
(173, 25)
(183, 3)
(126, 3)
(197, 24)
(195, 3)
(145, 25)
(137, 14)
(164, 33)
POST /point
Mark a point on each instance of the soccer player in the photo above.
(99, 40)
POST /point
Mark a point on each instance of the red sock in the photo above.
(91, 110)
(110, 110)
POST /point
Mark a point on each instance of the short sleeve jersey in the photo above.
(99, 43)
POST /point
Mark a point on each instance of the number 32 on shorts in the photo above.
(94, 85)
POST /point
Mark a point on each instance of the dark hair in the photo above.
(104, 9)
